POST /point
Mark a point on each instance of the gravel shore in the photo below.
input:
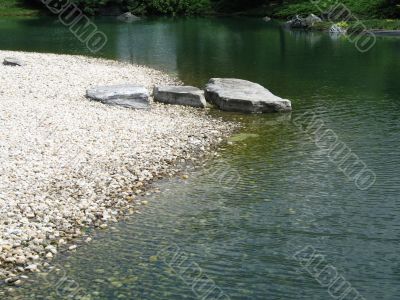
(68, 163)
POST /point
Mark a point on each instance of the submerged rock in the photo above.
(11, 61)
(244, 96)
(240, 137)
(126, 95)
(181, 95)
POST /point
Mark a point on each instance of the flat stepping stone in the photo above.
(239, 95)
(180, 95)
(11, 61)
(125, 95)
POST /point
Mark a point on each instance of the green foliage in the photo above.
(387, 24)
(151, 7)
(177, 7)
(302, 8)
(91, 7)
(343, 24)
(16, 8)
(322, 26)
(229, 6)
(359, 8)
(361, 25)
(362, 9)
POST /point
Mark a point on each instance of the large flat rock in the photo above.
(244, 96)
(126, 95)
(12, 61)
(180, 95)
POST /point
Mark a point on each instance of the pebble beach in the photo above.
(68, 163)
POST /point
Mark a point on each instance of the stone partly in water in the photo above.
(336, 29)
(127, 95)
(312, 19)
(11, 61)
(128, 17)
(298, 22)
(11, 280)
(181, 95)
(267, 19)
(244, 96)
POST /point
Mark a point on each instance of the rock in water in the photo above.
(312, 19)
(267, 19)
(11, 61)
(297, 22)
(126, 95)
(128, 17)
(181, 95)
(244, 96)
(303, 23)
(336, 29)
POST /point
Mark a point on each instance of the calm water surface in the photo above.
(280, 194)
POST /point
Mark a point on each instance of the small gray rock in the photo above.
(11, 280)
(128, 17)
(312, 19)
(180, 95)
(267, 19)
(336, 29)
(297, 22)
(11, 61)
(244, 96)
(125, 95)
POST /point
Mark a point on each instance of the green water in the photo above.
(273, 192)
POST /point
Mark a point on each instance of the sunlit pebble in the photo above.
(67, 162)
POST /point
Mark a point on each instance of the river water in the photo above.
(248, 222)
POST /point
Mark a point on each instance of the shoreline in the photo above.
(380, 27)
(69, 164)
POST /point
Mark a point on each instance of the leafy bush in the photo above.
(283, 9)
(173, 7)
(152, 7)
(290, 10)
(343, 24)
(359, 8)
(90, 6)
(16, 8)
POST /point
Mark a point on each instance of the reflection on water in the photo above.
(279, 193)
(291, 63)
